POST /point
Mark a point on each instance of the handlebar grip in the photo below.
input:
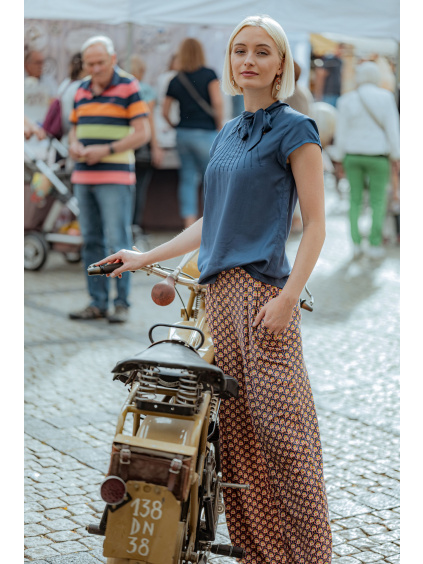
(163, 293)
(305, 305)
(101, 269)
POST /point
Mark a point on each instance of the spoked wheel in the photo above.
(35, 251)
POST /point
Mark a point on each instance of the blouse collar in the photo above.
(252, 126)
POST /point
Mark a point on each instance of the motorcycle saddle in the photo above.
(178, 356)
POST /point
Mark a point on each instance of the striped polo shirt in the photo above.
(105, 118)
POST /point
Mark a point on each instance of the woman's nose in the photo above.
(249, 59)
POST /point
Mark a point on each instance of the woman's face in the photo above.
(255, 59)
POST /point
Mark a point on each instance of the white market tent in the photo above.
(357, 18)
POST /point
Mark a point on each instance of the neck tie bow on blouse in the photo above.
(252, 126)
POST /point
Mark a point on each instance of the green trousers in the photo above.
(375, 171)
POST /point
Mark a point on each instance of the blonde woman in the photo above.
(261, 162)
(197, 90)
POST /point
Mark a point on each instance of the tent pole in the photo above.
(129, 45)
(397, 74)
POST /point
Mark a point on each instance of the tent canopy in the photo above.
(361, 18)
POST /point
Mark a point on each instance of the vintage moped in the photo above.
(163, 489)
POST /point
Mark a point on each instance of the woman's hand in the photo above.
(132, 260)
(276, 314)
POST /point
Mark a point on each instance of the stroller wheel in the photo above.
(35, 251)
(73, 257)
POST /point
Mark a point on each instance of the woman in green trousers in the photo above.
(367, 144)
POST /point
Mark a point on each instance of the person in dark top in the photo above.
(197, 90)
(328, 81)
(261, 162)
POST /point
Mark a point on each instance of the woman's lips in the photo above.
(249, 74)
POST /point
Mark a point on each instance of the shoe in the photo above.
(375, 253)
(120, 315)
(90, 312)
(358, 251)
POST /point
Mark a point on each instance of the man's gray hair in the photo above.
(102, 40)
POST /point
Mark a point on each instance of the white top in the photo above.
(166, 135)
(357, 133)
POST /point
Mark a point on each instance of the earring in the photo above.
(233, 81)
(278, 83)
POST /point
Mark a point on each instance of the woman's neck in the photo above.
(254, 100)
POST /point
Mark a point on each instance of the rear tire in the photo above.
(35, 251)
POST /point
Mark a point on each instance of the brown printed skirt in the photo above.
(269, 435)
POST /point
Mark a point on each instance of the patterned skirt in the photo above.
(269, 435)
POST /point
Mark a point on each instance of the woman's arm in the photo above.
(216, 100)
(167, 102)
(307, 168)
(187, 241)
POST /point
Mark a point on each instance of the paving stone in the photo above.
(32, 517)
(34, 530)
(80, 509)
(345, 549)
(60, 525)
(40, 552)
(35, 542)
(52, 503)
(378, 501)
(350, 534)
(56, 513)
(386, 549)
(363, 543)
(347, 508)
(367, 557)
(373, 529)
(69, 547)
(75, 558)
(63, 536)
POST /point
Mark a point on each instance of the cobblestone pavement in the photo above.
(351, 347)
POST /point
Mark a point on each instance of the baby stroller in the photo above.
(51, 210)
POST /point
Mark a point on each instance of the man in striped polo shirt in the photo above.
(109, 121)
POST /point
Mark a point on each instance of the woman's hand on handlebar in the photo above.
(132, 260)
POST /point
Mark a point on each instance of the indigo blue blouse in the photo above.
(250, 194)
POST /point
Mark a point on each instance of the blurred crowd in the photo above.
(355, 106)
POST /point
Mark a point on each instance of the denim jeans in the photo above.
(105, 222)
(193, 149)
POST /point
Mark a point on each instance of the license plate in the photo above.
(145, 529)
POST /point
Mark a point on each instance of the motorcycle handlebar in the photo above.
(163, 293)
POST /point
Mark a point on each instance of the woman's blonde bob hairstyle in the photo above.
(279, 37)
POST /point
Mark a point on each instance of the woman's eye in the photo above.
(262, 53)
(239, 51)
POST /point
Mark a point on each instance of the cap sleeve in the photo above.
(302, 130)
